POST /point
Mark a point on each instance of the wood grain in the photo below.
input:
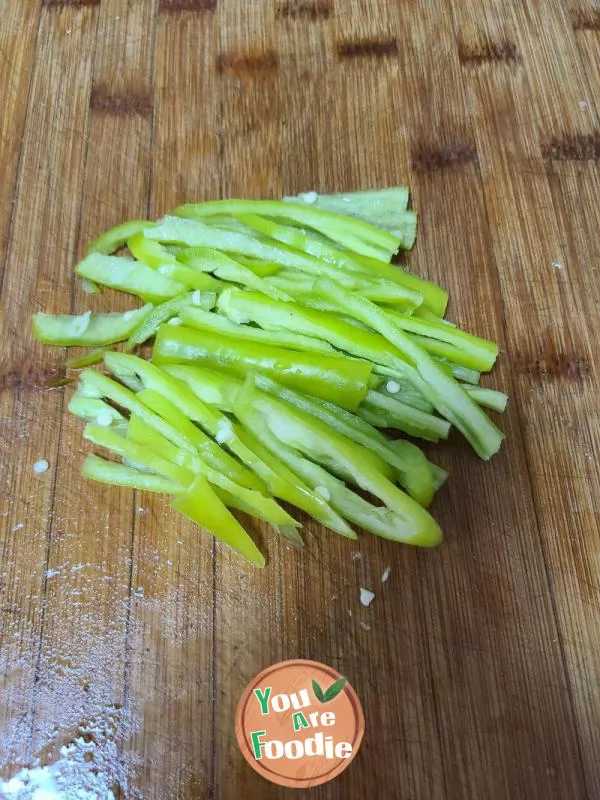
(123, 626)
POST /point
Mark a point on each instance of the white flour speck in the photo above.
(366, 596)
(386, 574)
(557, 265)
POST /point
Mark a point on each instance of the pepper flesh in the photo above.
(88, 328)
(113, 239)
(410, 463)
(297, 430)
(128, 276)
(447, 396)
(349, 232)
(339, 379)
(206, 320)
(202, 505)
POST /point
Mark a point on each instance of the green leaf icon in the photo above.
(318, 691)
(335, 689)
(331, 693)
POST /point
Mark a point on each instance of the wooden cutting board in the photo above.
(126, 633)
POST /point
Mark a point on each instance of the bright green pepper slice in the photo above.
(349, 232)
(193, 278)
(383, 208)
(407, 418)
(148, 252)
(115, 238)
(87, 328)
(410, 462)
(97, 385)
(103, 471)
(208, 260)
(446, 394)
(128, 276)
(299, 431)
(261, 506)
(218, 389)
(463, 348)
(138, 454)
(208, 321)
(202, 505)
(334, 378)
(165, 311)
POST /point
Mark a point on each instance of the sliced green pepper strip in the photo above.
(218, 389)
(298, 283)
(197, 235)
(94, 382)
(202, 505)
(128, 276)
(115, 238)
(349, 232)
(288, 532)
(211, 386)
(459, 372)
(383, 208)
(148, 252)
(465, 349)
(299, 240)
(403, 519)
(87, 328)
(94, 409)
(209, 451)
(203, 320)
(87, 359)
(263, 269)
(103, 471)
(375, 417)
(425, 313)
(434, 297)
(172, 386)
(244, 307)
(401, 388)
(191, 277)
(224, 267)
(136, 453)
(299, 430)
(408, 418)
(331, 377)
(488, 398)
(159, 314)
(261, 506)
(342, 265)
(409, 462)
(447, 396)
(440, 475)
(194, 234)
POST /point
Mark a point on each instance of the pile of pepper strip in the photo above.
(284, 341)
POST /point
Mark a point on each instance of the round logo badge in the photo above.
(299, 723)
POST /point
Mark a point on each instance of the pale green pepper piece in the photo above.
(340, 379)
(87, 328)
(115, 238)
(128, 276)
